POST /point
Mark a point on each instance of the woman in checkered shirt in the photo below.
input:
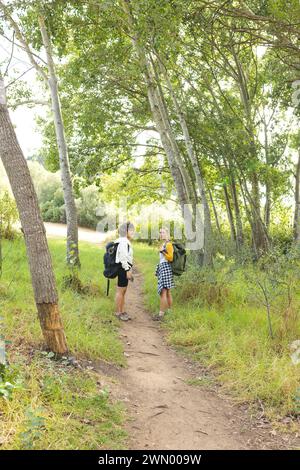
(164, 274)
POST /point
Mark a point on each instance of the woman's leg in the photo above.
(169, 298)
(120, 299)
(163, 301)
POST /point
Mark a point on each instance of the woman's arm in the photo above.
(123, 255)
(169, 252)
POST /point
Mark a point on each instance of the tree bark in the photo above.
(70, 206)
(39, 258)
(239, 223)
(229, 214)
(215, 212)
(267, 211)
(297, 203)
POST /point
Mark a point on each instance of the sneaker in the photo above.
(123, 316)
(158, 317)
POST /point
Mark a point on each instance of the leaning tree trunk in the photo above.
(70, 206)
(40, 263)
(176, 169)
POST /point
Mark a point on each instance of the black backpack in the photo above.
(111, 268)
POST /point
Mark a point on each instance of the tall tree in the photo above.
(183, 178)
(39, 257)
(50, 78)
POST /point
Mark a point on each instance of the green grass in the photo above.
(90, 326)
(223, 326)
(55, 406)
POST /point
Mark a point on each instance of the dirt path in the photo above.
(166, 412)
(84, 234)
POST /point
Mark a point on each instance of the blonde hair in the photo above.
(166, 230)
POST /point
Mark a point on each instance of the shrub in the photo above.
(206, 286)
(87, 206)
(8, 216)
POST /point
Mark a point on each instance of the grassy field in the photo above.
(221, 323)
(53, 405)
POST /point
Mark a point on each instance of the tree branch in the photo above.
(19, 35)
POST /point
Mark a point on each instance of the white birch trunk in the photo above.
(70, 207)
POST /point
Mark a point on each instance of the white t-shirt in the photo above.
(124, 253)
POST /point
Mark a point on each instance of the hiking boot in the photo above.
(158, 317)
(123, 316)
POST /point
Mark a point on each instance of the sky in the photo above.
(26, 129)
(23, 117)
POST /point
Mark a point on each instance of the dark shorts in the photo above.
(122, 278)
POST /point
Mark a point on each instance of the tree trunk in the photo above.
(195, 165)
(51, 80)
(239, 223)
(259, 235)
(229, 214)
(215, 212)
(297, 203)
(188, 181)
(40, 262)
(155, 106)
(267, 211)
(259, 232)
(70, 206)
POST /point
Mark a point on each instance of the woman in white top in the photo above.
(124, 256)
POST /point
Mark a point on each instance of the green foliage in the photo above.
(87, 205)
(6, 389)
(34, 425)
(52, 202)
(8, 216)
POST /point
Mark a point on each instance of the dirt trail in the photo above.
(166, 412)
(54, 230)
